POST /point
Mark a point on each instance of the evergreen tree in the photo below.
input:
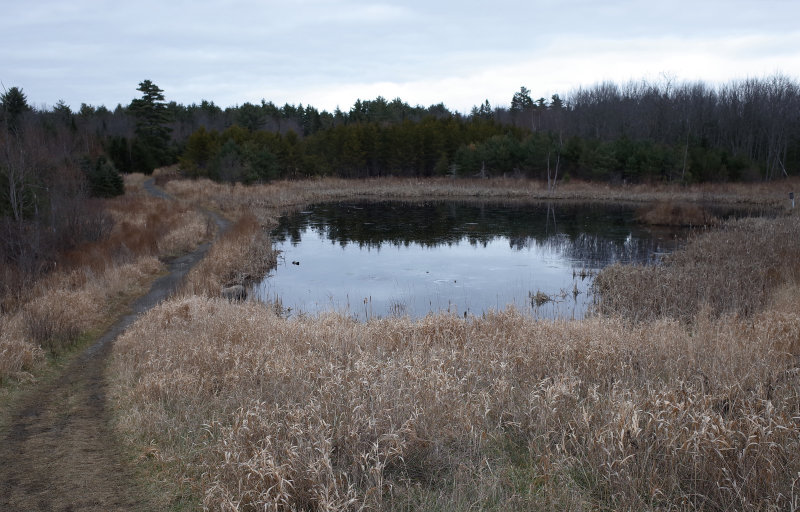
(104, 179)
(152, 130)
(522, 100)
(13, 104)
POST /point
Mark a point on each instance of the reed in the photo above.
(501, 412)
(270, 200)
(735, 269)
(682, 395)
(670, 213)
(241, 255)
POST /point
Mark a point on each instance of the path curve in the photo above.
(59, 452)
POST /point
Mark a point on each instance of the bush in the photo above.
(104, 179)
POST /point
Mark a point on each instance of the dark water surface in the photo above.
(392, 258)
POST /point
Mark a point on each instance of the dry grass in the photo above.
(669, 213)
(51, 314)
(685, 399)
(157, 226)
(735, 269)
(501, 412)
(269, 201)
(241, 255)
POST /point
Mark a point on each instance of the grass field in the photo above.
(683, 394)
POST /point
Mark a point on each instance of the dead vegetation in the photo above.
(500, 412)
(268, 201)
(669, 213)
(242, 255)
(49, 314)
(682, 396)
(733, 270)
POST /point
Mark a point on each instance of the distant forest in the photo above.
(635, 132)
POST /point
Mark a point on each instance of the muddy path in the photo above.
(59, 452)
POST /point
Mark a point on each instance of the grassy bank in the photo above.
(270, 200)
(93, 282)
(733, 270)
(692, 407)
(242, 255)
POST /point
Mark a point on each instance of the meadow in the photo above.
(680, 394)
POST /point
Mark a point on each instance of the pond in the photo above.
(371, 260)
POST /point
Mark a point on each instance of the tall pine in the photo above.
(151, 146)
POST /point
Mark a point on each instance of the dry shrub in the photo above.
(150, 225)
(242, 254)
(189, 229)
(55, 321)
(164, 175)
(143, 226)
(52, 311)
(670, 213)
(736, 269)
(12, 288)
(501, 412)
(134, 182)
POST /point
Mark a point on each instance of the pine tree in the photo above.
(104, 179)
(13, 104)
(152, 130)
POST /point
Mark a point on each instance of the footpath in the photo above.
(59, 452)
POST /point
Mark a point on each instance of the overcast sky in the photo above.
(329, 53)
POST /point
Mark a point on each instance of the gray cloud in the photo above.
(310, 51)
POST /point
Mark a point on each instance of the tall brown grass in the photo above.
(50, 314)
(243, 254)
(268, 201)
(683, 397)
(735, 269)
(670, 213)
(501, 412)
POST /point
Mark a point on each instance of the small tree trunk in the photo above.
(548, 170)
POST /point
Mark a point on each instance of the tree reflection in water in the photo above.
(385, 258)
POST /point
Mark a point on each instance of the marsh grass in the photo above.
(242, 255)
(268, 201)
(684, 395)
(670, 213)
(48, 314)
(659, 405)
(735, 270)
(500, 412)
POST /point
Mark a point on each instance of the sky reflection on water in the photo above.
(380, 259)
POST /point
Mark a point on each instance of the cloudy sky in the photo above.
(328, 53)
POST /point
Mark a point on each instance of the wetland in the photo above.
(392, 258)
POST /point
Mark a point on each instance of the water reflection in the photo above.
(378, 259)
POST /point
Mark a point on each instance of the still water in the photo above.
(371, 260)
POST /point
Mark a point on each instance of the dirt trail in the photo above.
(59, 452)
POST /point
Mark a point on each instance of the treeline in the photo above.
(640, 131)
(431, 146)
